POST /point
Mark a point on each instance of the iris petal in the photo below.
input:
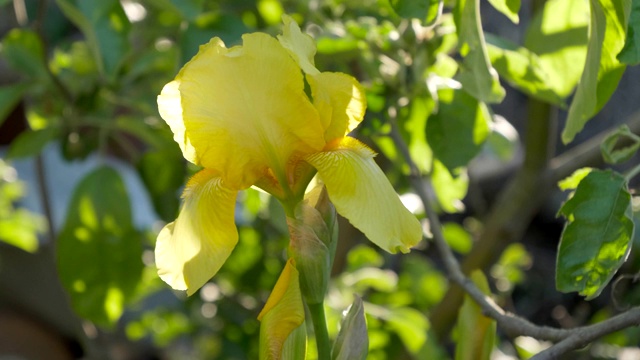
(190, 250)
(170, 110)
(300, 45)
(245, 109)
(282, 313)
(361, 193)
(340, 101)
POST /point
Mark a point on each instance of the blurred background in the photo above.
(89, 174)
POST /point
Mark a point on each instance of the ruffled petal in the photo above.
(361, 193)
(340, 101)
(190, 250)
(282, 314)
(170, 110)
(300, 45)
(245, 108)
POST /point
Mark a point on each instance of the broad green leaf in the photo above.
(106, 28)
(477, 76)
(459, 128)
(425, 10)
(630, 53)
(352, 341)
(509, 8)
(558, 34)
(572, 181)
(10, 95)
(614, 155)
(99, 251)
(450, 189)
(475, 332)
(24, 52)
(602, 70)
(597, 235)
(522, 69)
(163, 173)
(32, 142)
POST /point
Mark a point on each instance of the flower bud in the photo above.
(313, 234)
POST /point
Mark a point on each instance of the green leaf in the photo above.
(24, 52)
(630, 53)
(457, 237)
(106, 28)
(614, 155)
(509, 8)
(558, 34)
(425, 10)
(597, 235)
(475, 332)
(352, 341)
(459, 128)
(410, 325)
(572, 181)
(522, 69)
(602, 70)
(163, 173)
(477, 76)
(99, 250)
(10, 96)
(450, 189)
(31, 142)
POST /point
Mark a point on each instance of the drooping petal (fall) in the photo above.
(361, 193)
(170, 110)
(190, 250)
(245, 108)
(300, 45)
(282, 314)
(340, 101)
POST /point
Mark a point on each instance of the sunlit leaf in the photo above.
(475, 332)
(613, 154)
(602, 70)
(32, 142)
(459, 128)
(106, 28)
(522, 69)
(571, 182)
(597, 236)
(509, 8)
(99, 250)
(558, 34)
(410, 325)
(477, 76)
(457, 237)
(630, 53)
(449, 189)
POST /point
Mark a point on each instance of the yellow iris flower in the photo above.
(243, 115)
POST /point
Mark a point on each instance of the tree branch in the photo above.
(511, 324)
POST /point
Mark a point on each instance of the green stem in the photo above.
(632, 173)
(320, 329)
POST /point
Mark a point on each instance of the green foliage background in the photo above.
(87, 73)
